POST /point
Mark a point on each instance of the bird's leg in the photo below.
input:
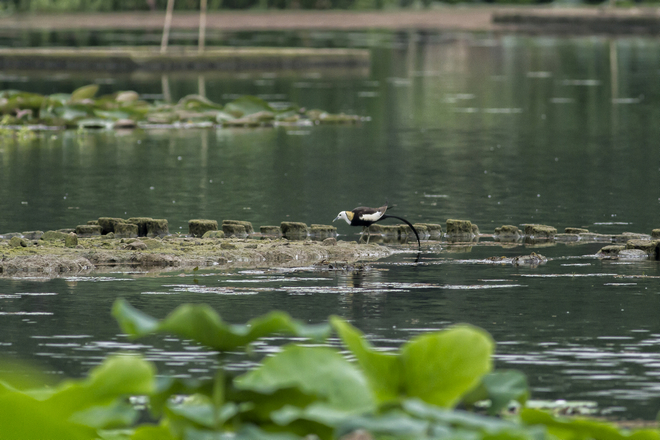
(361, 235)
(368, 234)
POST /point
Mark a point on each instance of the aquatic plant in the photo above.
(124, 109)
(303, 390)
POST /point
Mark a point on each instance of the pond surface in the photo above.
(494, 129)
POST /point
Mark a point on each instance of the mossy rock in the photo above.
(108, 224)
(152, 243)
(150, 227)
(508, 231)
(625, 236)
(384, 230)
(475, 229)
(435, 230)
(576, 231)
(126, 230)
(198, 227)
(236, 230)
(17, 242)
(274, 231)
(567, 237)
(422, 230)
(405, 230)
(33, 235)
(459, 227)
(71, 240)
(53, 236)
(214, 234)
(247, 225)
(611, 250)
(93, 222)
(293, 229)
(539, 231)
(88, 230)
(322, 231)
(648, 246)
(655, 233)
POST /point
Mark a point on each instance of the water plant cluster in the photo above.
(305, 390)
(124, 109)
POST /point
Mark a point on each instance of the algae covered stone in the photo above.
(87, 231)
(539, 231)
(268, 230)
(53, 236)
(576, 231)
(434, 230)
(16, 242)
(233, 229)
(214, 234)
(247, 225)
(150, 227)
(108, 224)
(71, 240)
(198, 227)
(648, 246)
(459, 227)
(294, 229)
(126, 230)
(655, 233)
(322, 231)
(33, 235)
(508, 231)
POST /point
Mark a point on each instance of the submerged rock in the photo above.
(650, 247)
(625, 236)
(508, 233)
(198, 227)
(434, 230)
(33, 235)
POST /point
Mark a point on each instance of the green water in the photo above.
(494, 129)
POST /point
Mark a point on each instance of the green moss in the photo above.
(199, 227)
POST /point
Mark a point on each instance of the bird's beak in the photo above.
(336, 218)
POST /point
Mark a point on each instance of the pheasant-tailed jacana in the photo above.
(365, 217)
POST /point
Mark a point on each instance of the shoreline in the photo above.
(471, 18)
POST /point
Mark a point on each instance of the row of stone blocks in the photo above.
(238, 228)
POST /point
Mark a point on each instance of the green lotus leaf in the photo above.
(441, 367)
(202, 324)
(84, 92)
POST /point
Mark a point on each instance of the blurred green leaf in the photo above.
(84, 92)
(247, 105)
(115, 415)
(202, 324)
(382, 370)
(441, 367)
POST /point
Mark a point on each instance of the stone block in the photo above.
(293, 229)
(247, 225)
(539, 231)
(126, 230)
(576, 231)
(651, 247)
(434, 230)
(108, 224)
(88, 231)
(322, 231)
(508, 231)
(459, 227)
(233, 229)
(197, 227)
(150, 227)
(270, 231)
(655, 233)
(71, 240)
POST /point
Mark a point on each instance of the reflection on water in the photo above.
(494, 129)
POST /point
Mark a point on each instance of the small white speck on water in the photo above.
(173, 201)
(179, 158)
(24, 203)
(489, 196)
(210, 180)
(556, 159)
(538, 195)
(485, 171)
(139, 142)
(152, 188)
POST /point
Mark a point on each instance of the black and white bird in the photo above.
(365, 217)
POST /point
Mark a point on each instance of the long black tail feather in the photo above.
(406, 222)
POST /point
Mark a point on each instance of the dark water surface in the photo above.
(495, 129)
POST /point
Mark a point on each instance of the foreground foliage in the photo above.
(125, 109)
(303, 389)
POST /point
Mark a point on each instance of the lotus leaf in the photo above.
(197, 102)
(247, 105)
(84, 92)
(441, 367)
(202, 324)
(127, 96)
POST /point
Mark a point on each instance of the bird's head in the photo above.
(346, 215)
